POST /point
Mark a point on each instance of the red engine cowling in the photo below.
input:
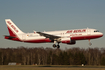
(68, 41)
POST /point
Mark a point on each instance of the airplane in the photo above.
(65, 36)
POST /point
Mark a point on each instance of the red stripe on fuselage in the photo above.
(38, 41)
(72, 38)
(85, 37)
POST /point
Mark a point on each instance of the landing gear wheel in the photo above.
(58, 46)
(90, 44)
(54, 45)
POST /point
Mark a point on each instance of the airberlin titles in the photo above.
(12, 26)
(76, 31)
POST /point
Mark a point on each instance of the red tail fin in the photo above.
(12, 28)
(11, 32)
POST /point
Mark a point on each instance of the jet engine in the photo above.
(68, 41)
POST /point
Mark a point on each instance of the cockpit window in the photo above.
(96, 31)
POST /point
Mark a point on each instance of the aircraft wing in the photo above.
(51, 37)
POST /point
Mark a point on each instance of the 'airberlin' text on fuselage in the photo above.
(76, 31)
(12, 26)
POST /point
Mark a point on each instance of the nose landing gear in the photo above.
(90, 42)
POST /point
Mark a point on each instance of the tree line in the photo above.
(49, 56)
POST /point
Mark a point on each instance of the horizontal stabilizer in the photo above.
(9, 37)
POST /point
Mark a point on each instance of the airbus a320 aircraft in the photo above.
(64, 36)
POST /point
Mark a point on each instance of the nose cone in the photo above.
(101, 34)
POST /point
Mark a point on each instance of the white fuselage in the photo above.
(77, 34)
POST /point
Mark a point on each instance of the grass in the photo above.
(52, 67)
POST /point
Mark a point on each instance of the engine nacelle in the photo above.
(68, 41)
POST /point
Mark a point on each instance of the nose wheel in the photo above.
(90, 42)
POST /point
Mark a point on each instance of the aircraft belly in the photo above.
(37, 40)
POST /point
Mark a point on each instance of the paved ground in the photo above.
(48, 67)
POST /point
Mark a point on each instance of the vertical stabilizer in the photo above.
(12, 28)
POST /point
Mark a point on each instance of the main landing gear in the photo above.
(54, 45)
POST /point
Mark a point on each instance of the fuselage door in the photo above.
(88, 31)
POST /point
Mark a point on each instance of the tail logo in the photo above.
(12, 26)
